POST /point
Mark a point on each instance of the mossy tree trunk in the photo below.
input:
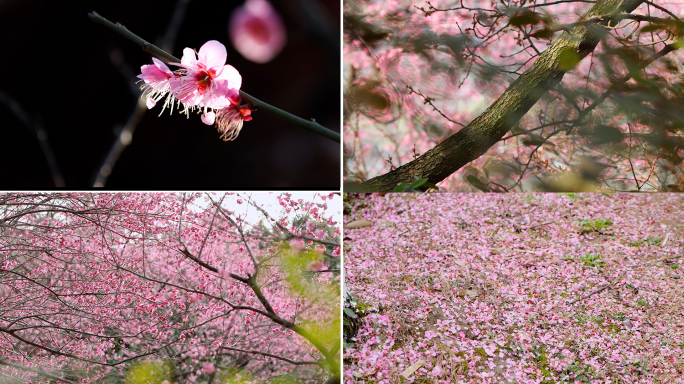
(484, 131)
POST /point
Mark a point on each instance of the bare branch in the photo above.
(295, 362)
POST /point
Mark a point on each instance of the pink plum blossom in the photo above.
(297, 244)
(156, 78)
(208, 83)
(204, 82)
(257, 31)
(231, 118)
(198, 307)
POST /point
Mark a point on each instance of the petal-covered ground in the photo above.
(518, 288)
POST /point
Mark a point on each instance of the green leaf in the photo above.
(678, 44)
(350, 313)
(475, 182)
(418, 183)
(543, 33)
(652, 28)
(400, 188)
(431, 186)
(568, 59)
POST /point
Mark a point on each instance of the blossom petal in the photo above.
(160, 64)
(189, 58)
(152, 73)
(150, 103)
(232, 76)
(213, 54)
(208, 118)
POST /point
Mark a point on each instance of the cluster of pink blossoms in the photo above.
(203, 82)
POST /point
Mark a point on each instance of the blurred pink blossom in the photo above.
(297, 243)
(208, 368)
(257, 31)
(316, 266)
(437, 371)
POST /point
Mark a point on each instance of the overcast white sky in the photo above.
(269, 202)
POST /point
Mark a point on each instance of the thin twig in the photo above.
(40, 134)
(534, 226)
(174, 25)
(664, 259)
(294, 362)
(598, 290)
(125, 135)
(123, 138)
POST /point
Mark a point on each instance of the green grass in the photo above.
(642, 303)
(619, 316)
(653, 240)
(588, 226)
(649, 241)
(582, 319)
(581, 373)
(592, 260)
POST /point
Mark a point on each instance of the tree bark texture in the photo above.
(484, 131)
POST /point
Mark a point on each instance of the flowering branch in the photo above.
(312, 125)
(107, 288)
(251, 282)
(37, 371)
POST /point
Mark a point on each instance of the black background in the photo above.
(56, 64)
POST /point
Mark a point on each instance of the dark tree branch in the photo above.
(40, 134)
(294, 362)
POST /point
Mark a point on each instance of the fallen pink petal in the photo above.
(588, 291)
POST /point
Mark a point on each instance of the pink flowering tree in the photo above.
(509, 96)
(167, 288)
